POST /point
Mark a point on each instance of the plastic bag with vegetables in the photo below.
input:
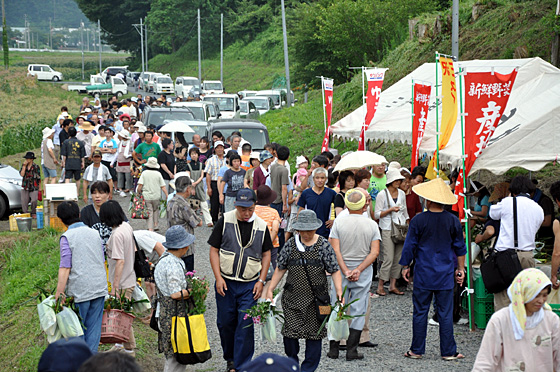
(69, 323)
(47, 316)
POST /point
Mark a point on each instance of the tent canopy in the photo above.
(525, 137)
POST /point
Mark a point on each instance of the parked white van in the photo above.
(163, 85)
(44, 72)
(212, 87)
(228, 104)
(187, 85)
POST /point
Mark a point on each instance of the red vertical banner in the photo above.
(421, 103)
(374, 78)
(328, 97)
(486, 97)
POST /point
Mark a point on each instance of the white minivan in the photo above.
(44, 72)
(187, 85)
(228, 104)
(212, 87)
(163, 85)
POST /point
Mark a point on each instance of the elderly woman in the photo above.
(171, 283)
(390, 207)
(525, 336)
(31, 184)
(307, 257)
(151, 184)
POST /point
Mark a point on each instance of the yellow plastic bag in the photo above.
(189, 339)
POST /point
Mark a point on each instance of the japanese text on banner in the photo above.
(328, 96)
(374, 78)
(421, 104)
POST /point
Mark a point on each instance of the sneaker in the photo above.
(116, 348)
(433, 322)
(122, 194)
(462, 321)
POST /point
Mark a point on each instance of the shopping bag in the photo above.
(139, 209)
(69, 323)
(47, 316)
(162, 208)
(55, 337)
(189, 338)
(268, 329)
(138, 294)
(337, 329)
(554, 297)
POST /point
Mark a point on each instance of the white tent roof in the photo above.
(526, 136)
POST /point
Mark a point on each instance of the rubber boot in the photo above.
(352, 345)
(334, 349)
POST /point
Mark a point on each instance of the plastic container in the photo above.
(40, 218)
(480, 290)
(56, 223)
(13, 222)
(24, 224)
(116, 326)
(555, 308)
(483, 310)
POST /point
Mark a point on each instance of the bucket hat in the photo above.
(307, 221)
(265, 155)
(124, 134)
(265, 195)
(245, 198)
(255, 155)
(394, 174)
(152, 163)
(435, 190)
(269, 362)
(47, 132)
(394, 164)
(177, 237)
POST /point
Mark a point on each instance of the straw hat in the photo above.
(435, 190)
(152, 163)
(501, 190)
(394, 174)
(47, 132)
(86, 125)
(124, 134)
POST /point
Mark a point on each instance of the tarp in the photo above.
(526, 135)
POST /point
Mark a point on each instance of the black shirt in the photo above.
(339, 200)
(89, 216)
(63, 136)
(169, 161)
(245, 228)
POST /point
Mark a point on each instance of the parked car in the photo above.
(247, 110)
(252, 131)
(161, 115)
(263, 103)
(246, 93)
(82, 87)
(187, 86)
(143, 80)
(43, 72)
(114, 85)
(163, 85)
(214, 110)
(132, 78)
(201, 110)
(228, 104)
(276, 96)
(114, 70)
(152, 81)
(212, 87)
(10, 189)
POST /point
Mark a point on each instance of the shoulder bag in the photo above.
(139, 209)
(189, 337)
(322, 301)
(142, 267)
(398, 231)
(500, 268)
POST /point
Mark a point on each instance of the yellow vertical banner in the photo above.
(449, 111)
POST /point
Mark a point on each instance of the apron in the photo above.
(199, 193)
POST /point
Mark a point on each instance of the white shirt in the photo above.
(382, 204)
(530, 216)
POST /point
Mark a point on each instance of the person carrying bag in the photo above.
(189, 337)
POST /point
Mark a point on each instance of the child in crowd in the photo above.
(302, 163)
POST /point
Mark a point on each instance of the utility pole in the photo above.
(146, 40)
(87, 35)
(50, 32)
(286, 61)
(5, 45)
(222, 49)
(99, 34)
(142, 42)
(82, 43)
(199, 60)
(455, 30)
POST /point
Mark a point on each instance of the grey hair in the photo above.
(234, 137)
(320, 170)
(355, 197)
(182, 183)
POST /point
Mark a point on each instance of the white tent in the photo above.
(526, 136)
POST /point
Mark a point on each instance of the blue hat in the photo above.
(245, 198)
(111, 129)
(265, 155)
(64, 355)
(159, 127)
(177, 237)
(269, 362)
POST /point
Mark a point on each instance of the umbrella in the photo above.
(177, 126)
(359, 160)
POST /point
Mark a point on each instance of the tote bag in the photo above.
(189, 337)
(139, 209)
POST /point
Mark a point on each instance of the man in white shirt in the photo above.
(530, 216)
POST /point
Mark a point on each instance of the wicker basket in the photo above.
(116, 326)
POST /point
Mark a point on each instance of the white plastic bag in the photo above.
(47, 317)
(56, 336)
(337, 329)
(138, 294)
(268, 329)
(69, 323)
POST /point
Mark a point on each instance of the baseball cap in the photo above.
(64, 355)
(96, 153)
(245, 198)
(218, 143)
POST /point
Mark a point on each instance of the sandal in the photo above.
(396, 291)
(230, 366)
(454, 357)
(383, 293)
(408, 354)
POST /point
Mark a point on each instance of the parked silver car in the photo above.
(10, 189)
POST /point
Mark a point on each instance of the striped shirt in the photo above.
(213, 166)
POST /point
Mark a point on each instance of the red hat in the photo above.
(123, 115)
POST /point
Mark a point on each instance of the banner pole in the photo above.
(437, 117)
(412, 130)
(363, 103)
(468, 257)
(324, 108)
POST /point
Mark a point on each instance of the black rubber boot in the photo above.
(334, 349)
(352, 345)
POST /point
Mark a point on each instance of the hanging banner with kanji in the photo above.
(486, 97)
(421, 103)
(328, 97)
(449, 110)
(374, 78)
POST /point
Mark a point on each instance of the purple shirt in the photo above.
(65, 251)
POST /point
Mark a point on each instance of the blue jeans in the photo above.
(312, 353)
(238, 341)
(281, 237)
(421, 299)
(92, 314)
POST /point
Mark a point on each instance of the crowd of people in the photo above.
(327, 232)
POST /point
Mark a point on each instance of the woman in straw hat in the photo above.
(435, 242)
(390, 208)
(307, 257)
(151, 184)
(525, 336)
